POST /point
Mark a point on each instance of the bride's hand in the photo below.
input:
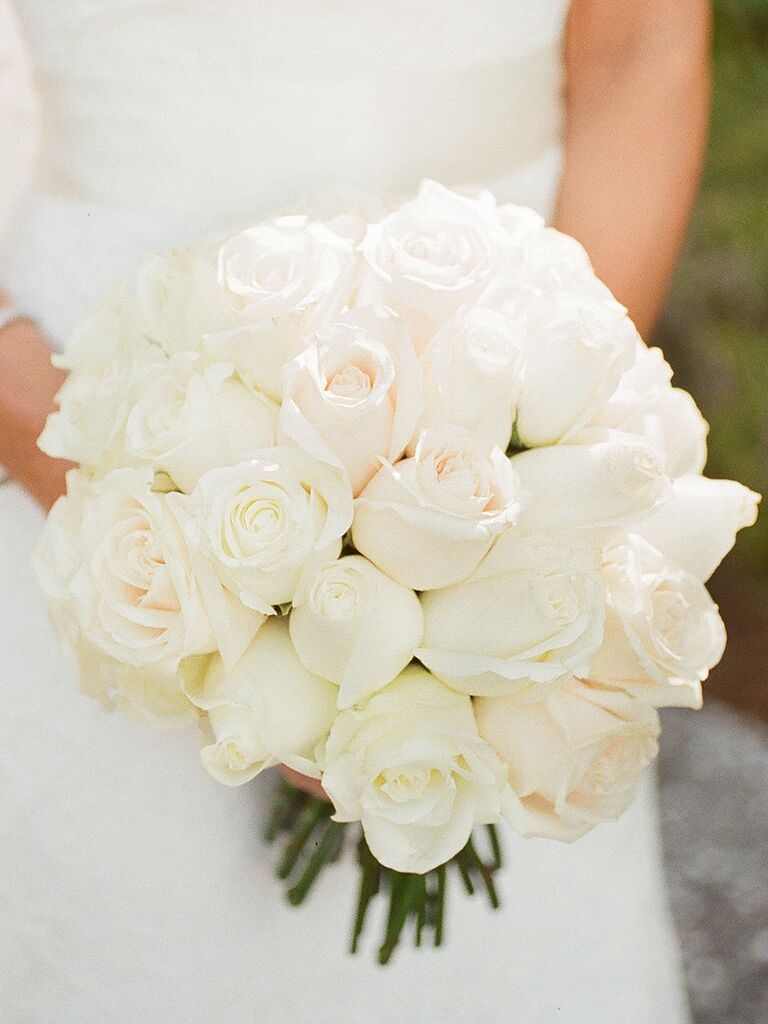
(304, 782)
(28, 383)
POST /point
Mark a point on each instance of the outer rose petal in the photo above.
(355, 626)
(269, 706)
(697, 527)
(618, 478)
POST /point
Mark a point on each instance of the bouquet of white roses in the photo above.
(401, 502)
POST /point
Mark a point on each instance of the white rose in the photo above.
(697, 527)
(280, 280)
(266, 710)
(179, 299)
(663, 631)
(553, 261)
(574, 759)
(280, 267)
(530, 613)
(615, 478)
(155, 698)
(573, 352)
(428, 520)
(191, 418)
(354, 394)
(110, 331)
(472, 375)
(645, 403)
(435, 253)
(264, 522)
(355, 626)
(410, 766)
(94, 402)
(136, 596)
(58, 555)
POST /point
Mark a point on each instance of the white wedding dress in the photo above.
(133, 888)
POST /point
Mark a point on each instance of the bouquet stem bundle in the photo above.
(311, 839)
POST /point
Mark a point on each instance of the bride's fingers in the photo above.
(304, 782)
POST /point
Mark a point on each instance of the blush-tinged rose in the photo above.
(268, 709)
(191, 418)
(614, 479)
(531, 613)
(428, 520)
(135, 592)
(355, 626)
(354, 395)
(411, 767)
(697, 527)
(573, 759)
(663, 631)
(264, 522)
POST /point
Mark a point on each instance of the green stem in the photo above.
(324, 851)
(314, 840)
(286, 800)
(316, 809)
(493, 835)
(370, 875)
(440, 905)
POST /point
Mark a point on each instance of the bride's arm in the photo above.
(28, 383)
(637, 100)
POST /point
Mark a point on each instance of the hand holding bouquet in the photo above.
(404, 504)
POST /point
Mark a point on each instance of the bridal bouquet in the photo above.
(400, 501)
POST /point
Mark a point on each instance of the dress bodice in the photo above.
(169, 106)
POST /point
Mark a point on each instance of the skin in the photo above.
(637, 101)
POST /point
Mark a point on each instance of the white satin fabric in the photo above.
(133, 888)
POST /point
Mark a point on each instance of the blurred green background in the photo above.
(715, 327)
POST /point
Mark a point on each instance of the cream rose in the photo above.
(94, 402)
(531, 613)
(355, 626)
(663, 631)
(697, 527)
(614, 479)
(191, 418)
(354, 395)
(112, 331)
(280, 280)
(428, 520)
(411, 767)
(573, 352)
(264, 522)
(280, 267)
(180, 300)
(573, 759)
(154, 698)
(268, 709)
(136, 595)
(435, 253)
(645, 403)
(553, 261)
(472, 375)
